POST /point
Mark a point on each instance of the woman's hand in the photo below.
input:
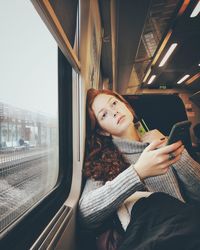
(153, 135)
(156, 161)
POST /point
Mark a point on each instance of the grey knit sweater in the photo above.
(99, 200)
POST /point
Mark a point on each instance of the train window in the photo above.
(28, 110)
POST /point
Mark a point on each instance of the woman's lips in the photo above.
(120, 118)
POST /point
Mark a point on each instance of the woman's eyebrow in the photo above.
(104, 107)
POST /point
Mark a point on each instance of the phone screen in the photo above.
(180, 132)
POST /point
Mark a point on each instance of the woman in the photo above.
(118, 164)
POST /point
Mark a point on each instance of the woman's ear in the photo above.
(102, 132)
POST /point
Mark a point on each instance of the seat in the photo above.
(196, 130)
(161, 111)
(196, 146)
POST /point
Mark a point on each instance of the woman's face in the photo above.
(113, 115)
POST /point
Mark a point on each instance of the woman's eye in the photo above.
(104, 115)
(114, 103)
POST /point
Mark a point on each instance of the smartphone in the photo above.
(179, 132)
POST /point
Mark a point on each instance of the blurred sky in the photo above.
(28, 59)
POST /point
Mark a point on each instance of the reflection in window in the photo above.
(28, 110)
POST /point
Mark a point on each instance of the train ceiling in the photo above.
(145, 31)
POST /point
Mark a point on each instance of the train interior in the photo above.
(146, 50)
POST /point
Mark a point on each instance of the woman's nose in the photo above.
(115, 113)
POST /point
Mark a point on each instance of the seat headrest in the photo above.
(159, 111)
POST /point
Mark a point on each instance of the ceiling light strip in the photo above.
(183, 7)
(162, 47)
(158, 54)
(180, 12)
(152, 78)
(196, 10)
(168, 54)
(147, 74)
(183, 79)
(192, 79)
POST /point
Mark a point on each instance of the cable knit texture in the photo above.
(99, 200)
(163, 183)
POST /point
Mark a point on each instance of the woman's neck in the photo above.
(130, 134)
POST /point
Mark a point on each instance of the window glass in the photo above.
(28, 110)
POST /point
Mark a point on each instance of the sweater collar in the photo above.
(127, 146)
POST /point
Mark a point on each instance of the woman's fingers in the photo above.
(175, 153)
(166, 149)
(169, 160)
(170, 148)
(153, 145)
(179, 150)
(156, 161)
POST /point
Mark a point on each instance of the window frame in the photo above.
(22, 233)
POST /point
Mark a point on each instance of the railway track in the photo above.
(22, 181)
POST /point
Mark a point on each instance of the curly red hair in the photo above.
(103, 160)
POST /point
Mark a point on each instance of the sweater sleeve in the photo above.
(98, 201)
(188, 172)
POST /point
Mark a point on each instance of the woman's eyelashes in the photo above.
(104, 115)
(114, 103)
